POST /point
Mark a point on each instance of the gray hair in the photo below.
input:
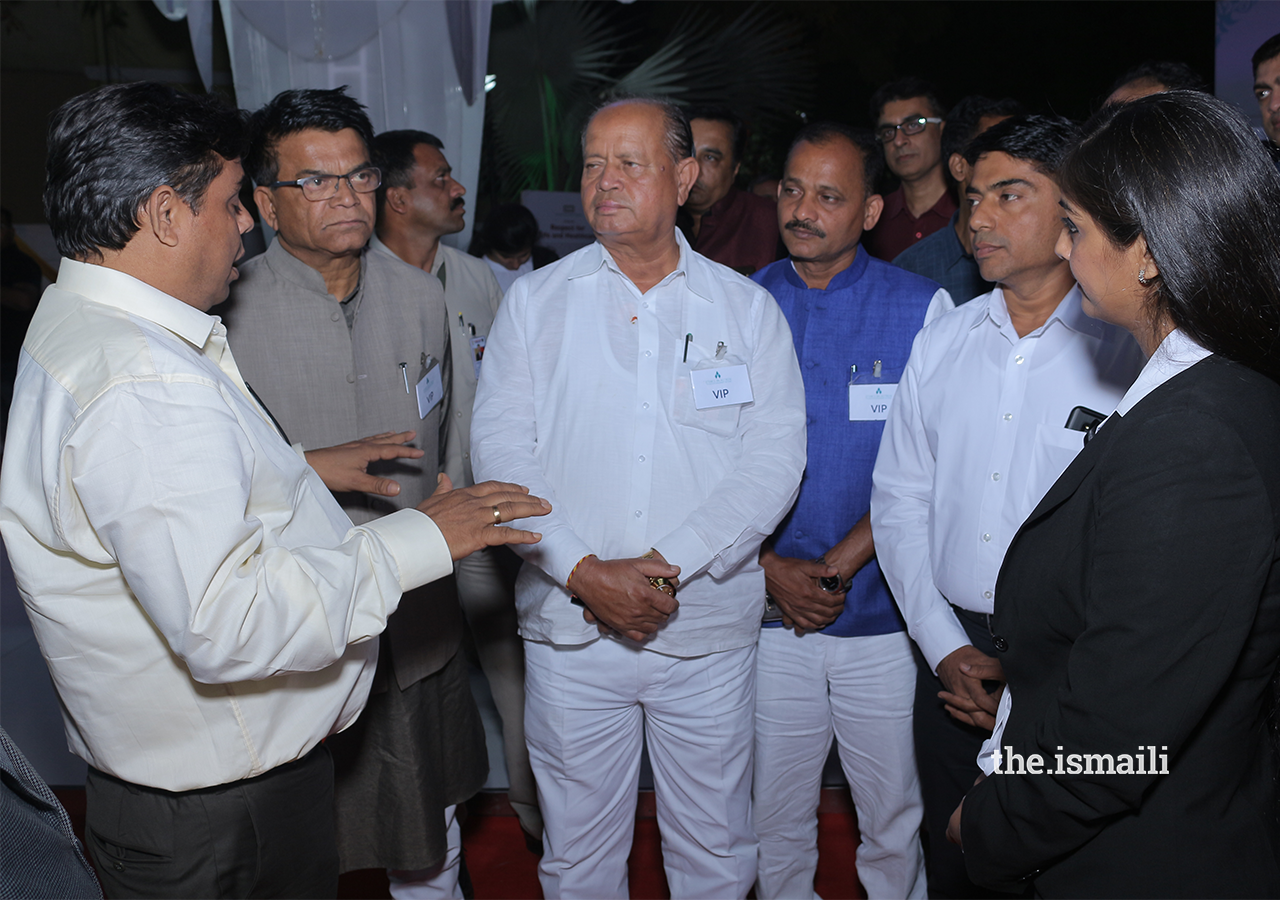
(678, 136)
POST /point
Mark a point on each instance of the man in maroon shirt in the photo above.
(909, 123)
(729, 225)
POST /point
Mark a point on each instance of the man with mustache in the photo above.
(420, 202)
(207, 610)
(992, 408)
(340, 341)
(835, 657)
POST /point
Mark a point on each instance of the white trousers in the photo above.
(863, 688)
(440, 882)
(587, 710)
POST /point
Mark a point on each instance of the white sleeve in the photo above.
(901, 510)
(234, 556)
(504, 435)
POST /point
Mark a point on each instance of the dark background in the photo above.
(1053, 56)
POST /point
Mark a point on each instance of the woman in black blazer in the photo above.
(1138, 608)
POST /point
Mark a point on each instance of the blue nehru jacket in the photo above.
(870, 311)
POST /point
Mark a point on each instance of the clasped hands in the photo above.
(469, 518)
(962, 673)
(793, 585)
(617, 595)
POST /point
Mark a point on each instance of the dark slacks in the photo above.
(946, 754)
(269, 836)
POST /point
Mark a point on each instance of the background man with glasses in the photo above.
(908, 123)
(340, 342)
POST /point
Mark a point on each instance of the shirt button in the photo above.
(1008, 417)
(919, 234)
(987, 538)
(1019, 359)
(336, 316)
(644, 405)
(351, 379)
(639, 513)
(645, 305)
(987, 594)
(995, 476)
(648, 353)
(458, 414)
(642, 459)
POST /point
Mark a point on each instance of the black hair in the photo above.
(1270, 48)
(905, 89)
(299, 110)
(1040, 140)
(509, 228)
(723, 114)
(1175, 76)
(864, 142)
(110, 148)
(1184, 171)
(393, 154)
(678, 137)
(967, 114)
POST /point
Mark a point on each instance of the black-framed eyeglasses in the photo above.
(886, 133)
(364, 180)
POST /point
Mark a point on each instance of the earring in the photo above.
(1142, 276)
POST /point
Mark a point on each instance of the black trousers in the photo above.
(269, 836)
(946, 755)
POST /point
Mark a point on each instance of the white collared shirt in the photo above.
(203, 603)
(586, 398)
(975, 437)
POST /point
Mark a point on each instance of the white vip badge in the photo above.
(870, 402)
(430, 390)
(477, 351)
(725, 386)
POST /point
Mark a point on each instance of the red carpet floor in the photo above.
(502, 868)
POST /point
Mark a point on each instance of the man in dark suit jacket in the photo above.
(1140, 614)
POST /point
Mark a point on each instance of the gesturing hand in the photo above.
(793, 584)
(962, 672)
(470, 518)
(344, 467)
(619, 597)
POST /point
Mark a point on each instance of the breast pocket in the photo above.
(721, 421)
(1054, 450)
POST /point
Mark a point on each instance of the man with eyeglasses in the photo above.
(908, 123)
(339, 342)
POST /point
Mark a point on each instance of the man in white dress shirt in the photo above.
(205, 607)
(654, 396)
(420, 202)
(984, 421)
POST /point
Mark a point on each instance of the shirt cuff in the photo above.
(416, 544)
(939, 635)
(685, 549)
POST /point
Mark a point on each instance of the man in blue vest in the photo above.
(834, 655)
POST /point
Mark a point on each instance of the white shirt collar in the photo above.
(1069, 311)
(697, 277)
(1176, 353)
(111, 287)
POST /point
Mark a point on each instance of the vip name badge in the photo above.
(430, 390)
(870, 402)
(724, 386)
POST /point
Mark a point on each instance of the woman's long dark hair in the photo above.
(1184, 170)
